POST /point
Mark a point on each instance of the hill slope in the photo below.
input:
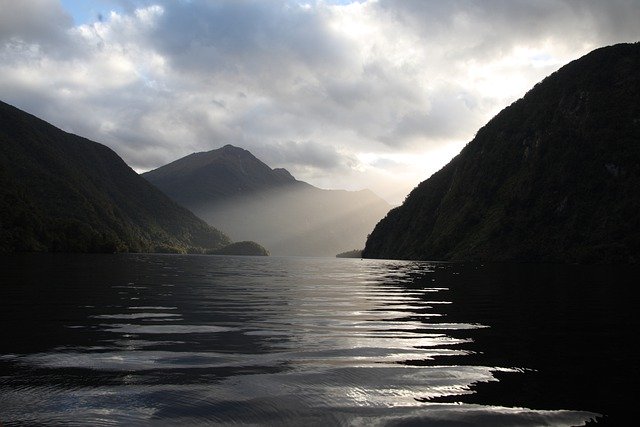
(247, 199)
(553, 177)
(61, 192)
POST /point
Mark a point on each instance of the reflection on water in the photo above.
(193, 339)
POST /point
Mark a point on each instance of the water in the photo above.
(166, 339)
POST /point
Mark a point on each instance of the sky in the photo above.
(344, 94)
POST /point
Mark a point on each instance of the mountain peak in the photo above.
(232, 149)
(223, 172)
(203, 158)
(282, 172)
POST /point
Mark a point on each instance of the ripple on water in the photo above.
(278, 343)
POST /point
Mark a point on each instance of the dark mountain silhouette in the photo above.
(553, 177)
(61, 192)
(217, 174)
(247, 199)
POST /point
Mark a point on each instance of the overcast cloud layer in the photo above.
(372, 94)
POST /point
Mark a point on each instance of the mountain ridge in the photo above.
(63, 192)
(553, 177)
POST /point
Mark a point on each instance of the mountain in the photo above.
(226, 172)
(61, 192)
(553, 177)
(247, 199)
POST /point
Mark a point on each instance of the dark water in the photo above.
(153, 339)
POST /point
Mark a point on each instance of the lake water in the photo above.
(175, 340)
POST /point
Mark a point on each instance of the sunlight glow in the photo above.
(501, 79)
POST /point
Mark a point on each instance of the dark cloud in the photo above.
(253, 41)
(307, 154)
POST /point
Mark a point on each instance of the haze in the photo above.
(231, 188)
(351, 95)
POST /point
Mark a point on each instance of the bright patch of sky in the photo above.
(90, 11)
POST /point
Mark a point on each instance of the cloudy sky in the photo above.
(344, 94)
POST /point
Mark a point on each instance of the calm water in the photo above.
(164, 339)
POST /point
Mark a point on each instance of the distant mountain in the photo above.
(553, 177)
(61, 192)
(214, 175)
(247, 199)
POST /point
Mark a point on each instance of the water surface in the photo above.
(166, 339)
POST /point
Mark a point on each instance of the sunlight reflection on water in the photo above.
(276, 340)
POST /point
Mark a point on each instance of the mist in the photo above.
(298, 219)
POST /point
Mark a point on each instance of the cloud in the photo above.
(256, 38)
(39, 21)
(308, 154)
(483, 30)
(314, 87)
